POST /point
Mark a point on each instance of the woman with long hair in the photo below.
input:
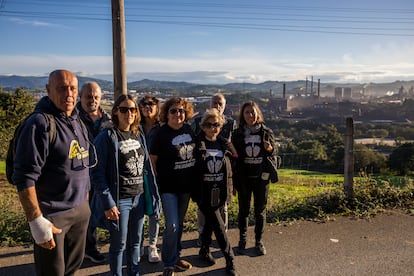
(118, 180)
(149, 109)
(256, 146)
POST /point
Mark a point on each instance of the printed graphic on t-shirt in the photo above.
(76, 151)
(252, 149)
(214, 161)
(185, 150)
(134, 161)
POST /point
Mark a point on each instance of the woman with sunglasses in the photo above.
(213, 177)
(119, 183)
(255, 145)
(149, 110)
(172, 155)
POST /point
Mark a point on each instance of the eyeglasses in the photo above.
(211, 125)
(124, 109)
(173, 111)
(148, 103)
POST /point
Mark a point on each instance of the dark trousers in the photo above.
(68, 254)
(214, 223)
(260, 189)
(90, 246)
(91, 240)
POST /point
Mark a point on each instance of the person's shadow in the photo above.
(22, 269)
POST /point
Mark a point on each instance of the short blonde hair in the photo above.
(209, 114)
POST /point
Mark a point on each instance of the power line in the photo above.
(229, 19)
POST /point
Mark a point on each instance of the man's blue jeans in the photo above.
(128, 237)
(174, 207)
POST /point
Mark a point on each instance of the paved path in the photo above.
(382, 245)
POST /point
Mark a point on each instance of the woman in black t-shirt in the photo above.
(172, 155)
(255, 145)
(119, 184)
(210, 192)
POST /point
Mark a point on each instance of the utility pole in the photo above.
(118, 48)
(349, 160)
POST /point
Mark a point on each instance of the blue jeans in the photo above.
(128, 237)
(174, 207)
(153, 230)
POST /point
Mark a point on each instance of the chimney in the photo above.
(319, 88)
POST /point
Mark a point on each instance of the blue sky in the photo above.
(214, 41)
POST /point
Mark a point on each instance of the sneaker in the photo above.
(206, 257)
(260, 249)
(95, 257)
(183, 265)
(168, 271)
(153, 256)
(241, 249)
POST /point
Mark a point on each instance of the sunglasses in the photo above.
(176, 110)
(124, 109)
(148, 103)
(211, 125)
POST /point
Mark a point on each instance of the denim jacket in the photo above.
(105, 178)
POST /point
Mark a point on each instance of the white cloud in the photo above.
(216, 69)
(35, 23)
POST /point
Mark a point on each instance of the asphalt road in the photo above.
(381, 245)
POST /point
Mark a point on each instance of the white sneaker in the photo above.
(153, 256)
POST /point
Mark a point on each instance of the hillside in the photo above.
(271, 87)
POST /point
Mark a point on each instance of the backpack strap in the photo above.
(51, 122)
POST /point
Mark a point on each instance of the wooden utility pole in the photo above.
(349, 161)
(118, 48)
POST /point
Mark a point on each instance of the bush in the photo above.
(13, 109)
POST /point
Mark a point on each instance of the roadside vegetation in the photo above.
(299, 195)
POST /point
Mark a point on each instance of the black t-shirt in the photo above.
(211, 166)
(253, 154)
(131, 158)
(176, 158)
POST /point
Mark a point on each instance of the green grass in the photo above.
(301, 177)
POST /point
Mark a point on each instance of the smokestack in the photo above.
(319, 88)
(311, 86)
(284, 90)
(306, 89)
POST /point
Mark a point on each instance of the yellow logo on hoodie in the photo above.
(76, 151)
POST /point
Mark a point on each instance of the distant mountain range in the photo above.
(271, 87)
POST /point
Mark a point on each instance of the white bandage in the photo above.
(41, 229)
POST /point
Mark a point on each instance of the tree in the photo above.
(335, 147)
(367, 160)
(314, 152)
(402, 159)
(14, 107)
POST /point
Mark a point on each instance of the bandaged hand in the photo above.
(41, 230)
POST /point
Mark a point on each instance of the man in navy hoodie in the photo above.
(52, 178)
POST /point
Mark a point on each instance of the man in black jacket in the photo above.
(95, 119)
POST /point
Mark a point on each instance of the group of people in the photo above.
(111, 170)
